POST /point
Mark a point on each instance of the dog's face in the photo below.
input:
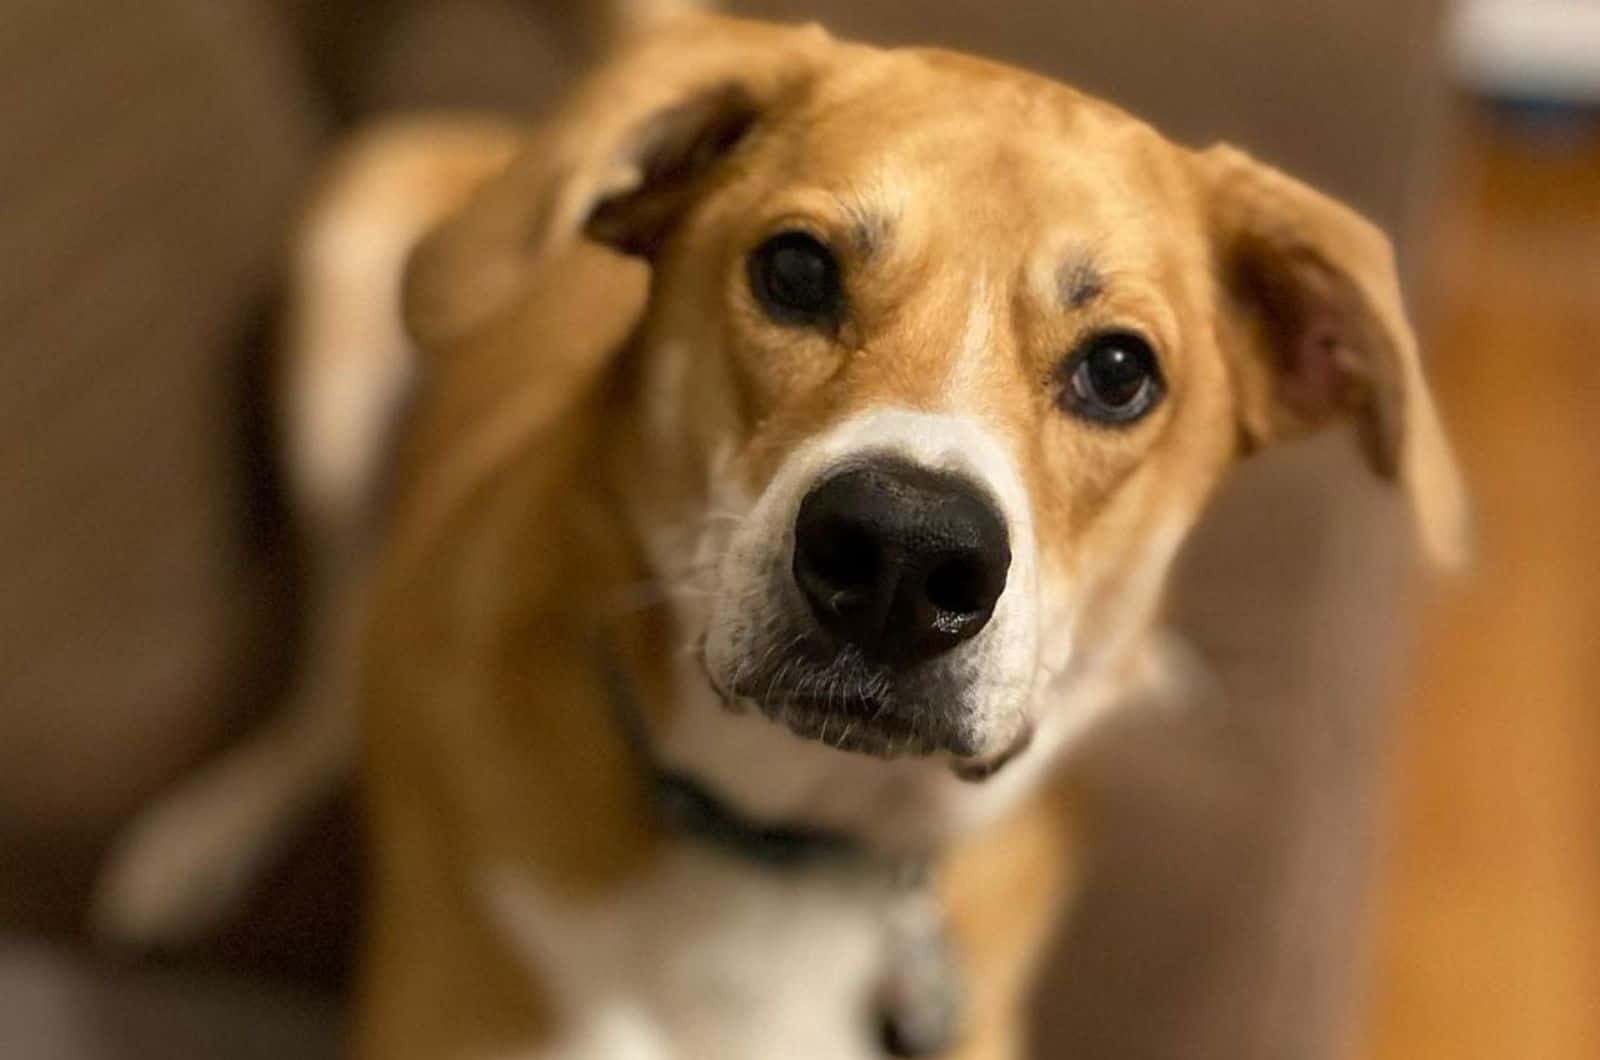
(941, 363)
(949, 383)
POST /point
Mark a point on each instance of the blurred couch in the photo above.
(154, 156)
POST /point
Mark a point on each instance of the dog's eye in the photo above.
(796, 279)
(1112, 378)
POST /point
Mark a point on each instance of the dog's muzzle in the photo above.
(894, 568)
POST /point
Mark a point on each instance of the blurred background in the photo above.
(1381, 841)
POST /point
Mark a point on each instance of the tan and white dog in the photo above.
(809, 427)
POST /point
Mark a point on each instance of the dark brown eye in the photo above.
(1112, 378)
(796, 279)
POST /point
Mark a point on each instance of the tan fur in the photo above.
(582, 415)
(1005, 891)
(537, 456)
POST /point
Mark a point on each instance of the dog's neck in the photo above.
(686, 807)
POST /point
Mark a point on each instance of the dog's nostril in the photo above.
(959, 585)
(844, 556)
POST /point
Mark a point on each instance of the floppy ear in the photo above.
(618, 163)
(1313, 318)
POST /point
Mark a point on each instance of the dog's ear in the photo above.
(1313, 320)
(658, 167)
(617, 163)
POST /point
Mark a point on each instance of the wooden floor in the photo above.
(1489, 923)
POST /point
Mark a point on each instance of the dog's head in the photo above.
(941, 362)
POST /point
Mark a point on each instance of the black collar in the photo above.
(687, 807)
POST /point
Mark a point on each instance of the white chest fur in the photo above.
(705, 958)
(709, 957)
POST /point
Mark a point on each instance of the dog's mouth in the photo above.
(862, 724)
(845, 702)
(870, 725)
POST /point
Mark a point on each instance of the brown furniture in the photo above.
(154, 154)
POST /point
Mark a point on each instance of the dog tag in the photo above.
(919, 1007)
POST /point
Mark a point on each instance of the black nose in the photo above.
(900, 561)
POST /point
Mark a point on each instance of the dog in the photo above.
(798, 436)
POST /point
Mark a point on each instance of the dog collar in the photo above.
(685, 806)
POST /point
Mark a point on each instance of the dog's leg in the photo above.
(1004, 891)
(186, 861)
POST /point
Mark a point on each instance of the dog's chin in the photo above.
(859, 724)
(834, 696)
(847, 705)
